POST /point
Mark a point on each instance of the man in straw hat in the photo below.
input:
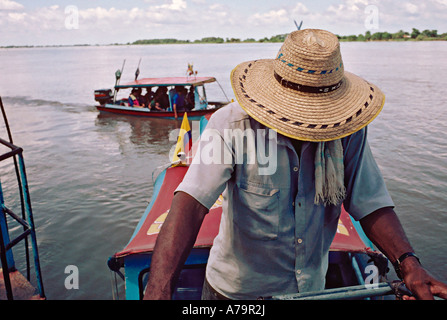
(277, 225)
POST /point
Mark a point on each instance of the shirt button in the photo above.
(299, 241)
(295, 169)
(298, 271)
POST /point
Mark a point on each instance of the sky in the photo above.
(48, 22)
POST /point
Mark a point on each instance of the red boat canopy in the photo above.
(143, 240)
(167, 81)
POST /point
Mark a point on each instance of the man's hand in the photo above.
(420, 282)
(385, 231)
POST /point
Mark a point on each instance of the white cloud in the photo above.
(102, 14)
(16, 16)
(411, 8)
(271, 17)
(278, 17)
(23, 22)
(215, 10)
(300, 9)
(138, 17)
(177, 5)
(356, 4)
(347, 10)
(10, 5)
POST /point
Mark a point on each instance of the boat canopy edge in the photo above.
(167, 81)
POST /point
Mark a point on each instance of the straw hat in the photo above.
(305, 93)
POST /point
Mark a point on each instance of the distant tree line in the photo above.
(415, 34)
(400, 35)
(160, 41)
(277, 38)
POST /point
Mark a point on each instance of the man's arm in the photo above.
(174, 243)
(175, 110)
(383, 228)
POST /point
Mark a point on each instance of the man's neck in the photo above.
(297, 144)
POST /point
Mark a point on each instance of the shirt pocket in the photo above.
(256, 213)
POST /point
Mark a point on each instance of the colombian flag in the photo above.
(184, 140)
(190, 70)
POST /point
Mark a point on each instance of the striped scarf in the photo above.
(329, 173)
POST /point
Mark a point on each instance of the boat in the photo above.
(108, 102)
(354, 264)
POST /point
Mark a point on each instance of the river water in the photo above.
(90, 175)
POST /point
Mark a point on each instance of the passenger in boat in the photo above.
(281, 208)
(133, 98)
(161, 99)
(179, 100)
(140, 98)
(171, 93)
(190, 99)
(147, 98)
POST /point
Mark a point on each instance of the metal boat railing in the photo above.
(26, 220)
(396, 288)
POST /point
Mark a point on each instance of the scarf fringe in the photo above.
(329, 173)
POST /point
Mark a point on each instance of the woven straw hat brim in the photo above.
(305, 116)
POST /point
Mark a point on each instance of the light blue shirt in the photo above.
(273, 239)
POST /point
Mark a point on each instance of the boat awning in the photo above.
(145, 235)
(167, 81)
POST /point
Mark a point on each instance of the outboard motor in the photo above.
(103, 96)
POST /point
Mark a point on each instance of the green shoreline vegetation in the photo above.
(415, 35)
